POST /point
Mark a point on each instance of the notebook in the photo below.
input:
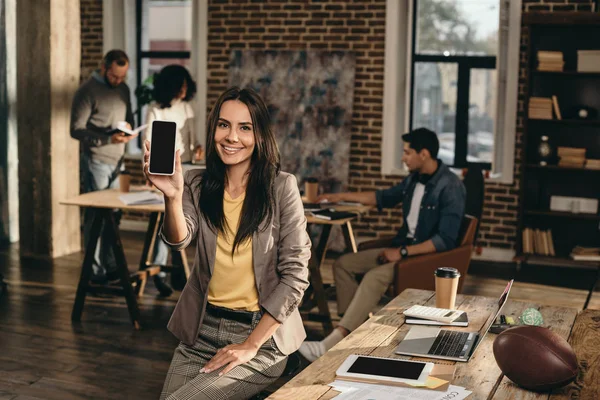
(143, 197)
(462, 320)
(331, 214)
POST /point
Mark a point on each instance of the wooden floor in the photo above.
(43, 355)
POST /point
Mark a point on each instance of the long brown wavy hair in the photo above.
(259, 203)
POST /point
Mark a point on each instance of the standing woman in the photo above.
(173, 91)
(237, 318)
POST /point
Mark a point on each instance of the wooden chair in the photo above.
(417, 272)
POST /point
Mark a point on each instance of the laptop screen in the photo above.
(498, 307)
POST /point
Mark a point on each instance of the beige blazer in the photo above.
(281, 250)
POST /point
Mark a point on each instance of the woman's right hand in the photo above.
(170, 185)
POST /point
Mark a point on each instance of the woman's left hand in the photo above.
(232, 356)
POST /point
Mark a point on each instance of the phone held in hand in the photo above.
(162, 148)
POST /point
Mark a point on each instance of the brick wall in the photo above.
(91, 36)
(357, 26)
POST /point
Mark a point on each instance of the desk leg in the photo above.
(316, 281)
(349, 237)
(86, 267)
(592, 289)
(132, 305)
(149, 241)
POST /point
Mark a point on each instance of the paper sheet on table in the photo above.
(367, 391)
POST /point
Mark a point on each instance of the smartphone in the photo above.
(162, 148)
(390, 370)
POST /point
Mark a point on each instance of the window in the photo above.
(164, 36)
(453, 82)
(452, 66)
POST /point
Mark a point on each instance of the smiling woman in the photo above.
(237, 317)
(234, 136)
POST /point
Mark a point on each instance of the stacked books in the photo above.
(581, 253)
(536, 241)
(592, 164)
(550, 61)
(571, 157)
(540, 108)
(588, 61)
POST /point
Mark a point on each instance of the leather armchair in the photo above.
(417, 272)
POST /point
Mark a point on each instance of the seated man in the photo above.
(433, 207)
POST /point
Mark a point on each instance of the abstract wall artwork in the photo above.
(309, 95)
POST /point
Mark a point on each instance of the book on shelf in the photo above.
(581, 253)
(540, 108)
(570, 151)
(572, 162)
(550, 61)
(551, 243)
(588, 61)
(571, 157)
(556, 108)
(592, 164)
(538, 241)
(527, 245)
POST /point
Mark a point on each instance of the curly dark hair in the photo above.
(168, 83)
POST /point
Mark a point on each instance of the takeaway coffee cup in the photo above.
(446, 285)
(124, 181)
(311, 189)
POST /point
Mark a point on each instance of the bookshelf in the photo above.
(565, 32)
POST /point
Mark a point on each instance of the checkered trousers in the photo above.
(184, 382)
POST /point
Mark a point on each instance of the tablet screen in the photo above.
(389, 368)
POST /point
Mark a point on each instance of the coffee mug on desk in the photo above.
(124, 181)
(311, 189)
(446, 286)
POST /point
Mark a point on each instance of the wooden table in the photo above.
(380, 335)
(103, 202)
(315, 295)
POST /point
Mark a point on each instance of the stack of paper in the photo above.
(550, 61)
(368, 391)
(581, 253)
(540, 108)
(588, 61)
(141, 198)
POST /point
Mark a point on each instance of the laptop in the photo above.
(432, 342)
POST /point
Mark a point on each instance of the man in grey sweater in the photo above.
(100, 105)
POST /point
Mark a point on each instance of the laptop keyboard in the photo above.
(449, 343)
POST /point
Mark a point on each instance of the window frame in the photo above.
(143, 54)
(397, 93)
(464, 63)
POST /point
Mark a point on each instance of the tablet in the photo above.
(386, 370)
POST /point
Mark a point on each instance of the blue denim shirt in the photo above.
(442, 208)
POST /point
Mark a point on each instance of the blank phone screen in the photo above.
(162, 147)
(389, 368)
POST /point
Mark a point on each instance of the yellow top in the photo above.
(232, 284)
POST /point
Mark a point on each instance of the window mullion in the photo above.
(462, 115)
